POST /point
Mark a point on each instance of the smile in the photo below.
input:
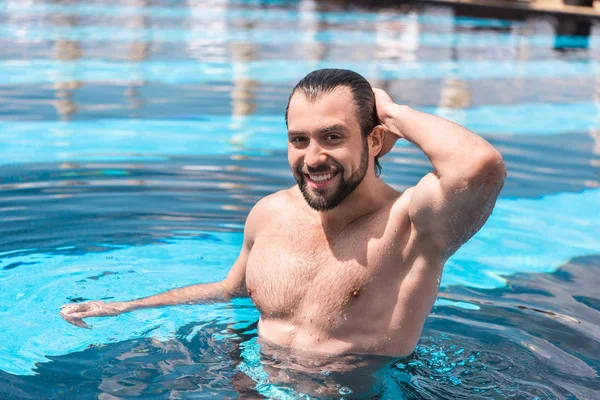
(319, 180)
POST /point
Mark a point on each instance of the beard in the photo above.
(318, 199)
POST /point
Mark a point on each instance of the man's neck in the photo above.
(368, 197)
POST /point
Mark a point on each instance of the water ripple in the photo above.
(499, 351)
(47, 206)
(127, 159)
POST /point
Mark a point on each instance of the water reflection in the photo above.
(68, 51)
(455, 95)
(396, 40)
(244, 88)
(194, 189)
(312, 47)
(276, 369)
(504, 349)
(535, 338)
(137, 52)
(595, 133)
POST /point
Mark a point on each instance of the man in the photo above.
(342, 263)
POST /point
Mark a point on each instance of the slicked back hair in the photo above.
(323, 81)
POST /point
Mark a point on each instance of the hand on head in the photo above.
(383, 102)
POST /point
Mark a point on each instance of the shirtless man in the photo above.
(342, 263)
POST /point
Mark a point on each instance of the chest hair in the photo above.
(296, 270)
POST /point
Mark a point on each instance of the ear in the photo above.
(376, 140)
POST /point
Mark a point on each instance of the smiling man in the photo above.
(342, 263)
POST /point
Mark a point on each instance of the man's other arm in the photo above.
(449, 205)
(234, 285)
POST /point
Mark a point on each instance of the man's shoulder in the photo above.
(271, 207)
(274, 202)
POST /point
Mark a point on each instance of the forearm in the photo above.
(451, 148)
(194, 294)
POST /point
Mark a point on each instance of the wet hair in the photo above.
(323, 81)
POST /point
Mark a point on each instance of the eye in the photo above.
(333, 136)
(297, 139)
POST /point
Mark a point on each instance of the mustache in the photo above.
(305, 169)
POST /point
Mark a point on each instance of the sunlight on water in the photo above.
(135, 138)
(34, 280)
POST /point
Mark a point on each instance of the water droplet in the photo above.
(345, 390)
(325, 372)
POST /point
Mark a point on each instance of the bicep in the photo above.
(235, 282)
(448, 211)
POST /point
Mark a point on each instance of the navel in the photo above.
(249, 292)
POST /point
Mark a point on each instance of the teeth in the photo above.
(320, 178)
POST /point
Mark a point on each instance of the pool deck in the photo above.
(552, 7)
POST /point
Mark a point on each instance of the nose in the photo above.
(315, 155)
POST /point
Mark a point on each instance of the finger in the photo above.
(69, 311)
(73, 315)
(79, 322)
(75, 321)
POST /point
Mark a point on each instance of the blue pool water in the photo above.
(136, 136)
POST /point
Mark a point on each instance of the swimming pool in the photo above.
(135, 137)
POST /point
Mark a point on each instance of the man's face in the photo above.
(327, 154)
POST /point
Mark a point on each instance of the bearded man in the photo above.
(342, 263)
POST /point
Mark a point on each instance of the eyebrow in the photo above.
(331, 128)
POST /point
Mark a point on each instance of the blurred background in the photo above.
(136, 135)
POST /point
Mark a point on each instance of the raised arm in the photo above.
(234, 285)
(450, 204)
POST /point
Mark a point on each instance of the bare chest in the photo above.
(294, 270)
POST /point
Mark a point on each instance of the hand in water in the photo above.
(74, 313)
(383, 102)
